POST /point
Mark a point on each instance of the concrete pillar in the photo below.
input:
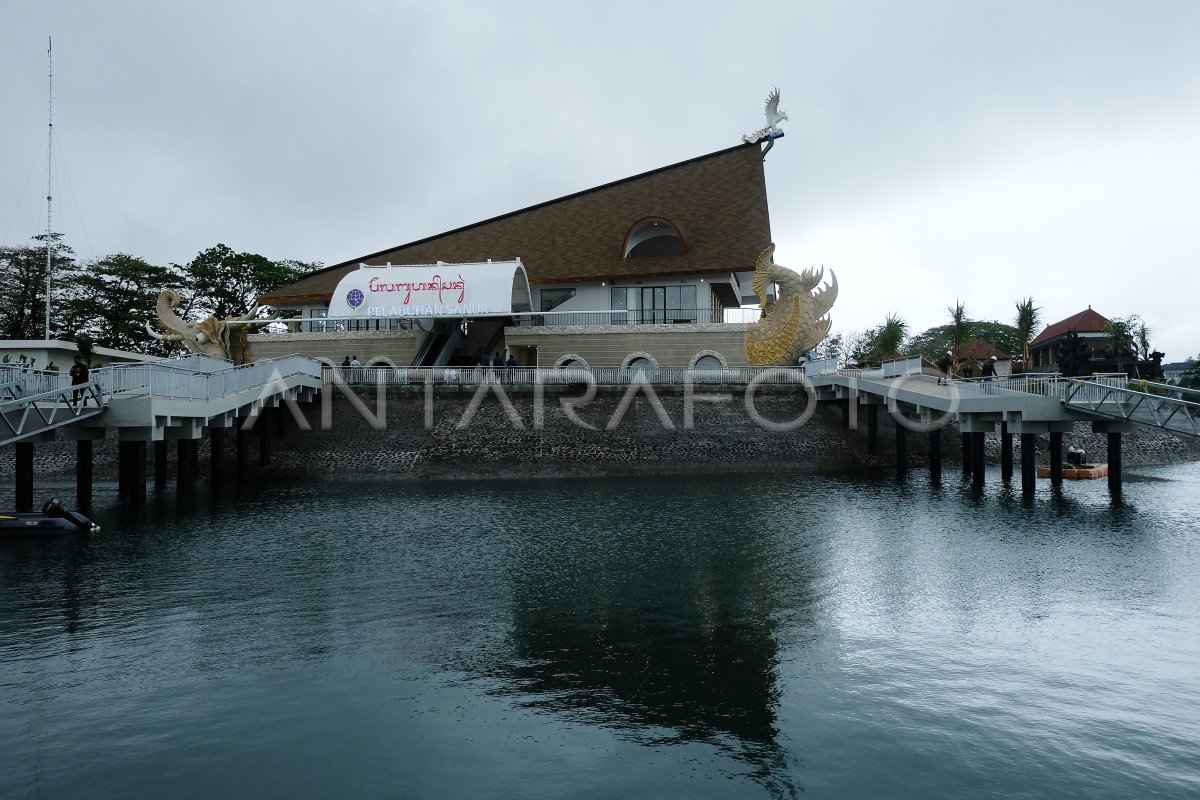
(1114, 463)
(183, 465)
(1006, 453)
(280, 422)
(124, 471)
(194, 455)
(845, 405)
(137, 477)
(216, 441)
(1028, 463)
(935, 455)
(243, 448)
(83, 473)
(122, 481)
(23, 458)
(967, 462)
(264, 440)
(977, 452)
(901, 449)
(872, 429)
(131, 472)
(160, 463)
(1056, 458)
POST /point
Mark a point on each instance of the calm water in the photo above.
(720, 637)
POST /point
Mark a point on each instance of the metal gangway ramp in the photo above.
(1154, 405)
(35, 402)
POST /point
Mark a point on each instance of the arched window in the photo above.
(651, 237)
(708, 366)
(572, 369)
(642, 370)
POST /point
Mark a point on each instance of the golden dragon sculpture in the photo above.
(795, 322)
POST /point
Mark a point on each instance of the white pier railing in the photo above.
(200, 380)
(557, 376)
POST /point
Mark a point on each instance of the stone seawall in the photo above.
(612, 434)
(627, 435)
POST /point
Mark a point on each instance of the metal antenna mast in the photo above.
(49, 177)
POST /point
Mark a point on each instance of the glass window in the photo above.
(654, 237)
(657, 304)
(642, 370)
(553, 298)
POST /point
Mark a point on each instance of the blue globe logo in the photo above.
(354, 297)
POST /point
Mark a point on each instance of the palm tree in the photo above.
(1141, 335)
(1028, 317)
(891, 335)
(960, 326)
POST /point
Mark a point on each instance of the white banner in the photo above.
(493, 288)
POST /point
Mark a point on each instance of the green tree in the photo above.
(1141, 341)
(23, 276)
(1191, 378)
(999, 335)
(115, 297)
(931, 344)
(1074, 355)
(226, 283)
(832, 346)
(890, 337)
(1122, 339)
(960, 325)
(1028, 318)
(878, 343)
(858, 345)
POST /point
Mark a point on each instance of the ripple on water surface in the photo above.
(712, 637)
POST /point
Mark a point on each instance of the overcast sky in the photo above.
(936, 151)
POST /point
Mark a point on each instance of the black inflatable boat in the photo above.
(54, 519)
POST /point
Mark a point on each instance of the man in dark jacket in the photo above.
(79, 375)
(944, 365)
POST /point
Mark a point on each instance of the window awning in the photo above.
(485, 289)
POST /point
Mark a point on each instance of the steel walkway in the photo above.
(25, 416)
(1167, 408)
(1098, 398)
(147, 399)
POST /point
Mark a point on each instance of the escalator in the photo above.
(439, 345)
(432, 344)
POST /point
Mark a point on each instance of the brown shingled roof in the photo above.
(718, 202)
(979, 350)
(1086, 321)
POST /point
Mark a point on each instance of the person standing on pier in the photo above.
(944, 365)
(79, 375)
(989, 369)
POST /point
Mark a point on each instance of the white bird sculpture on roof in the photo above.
(772, 112)
(770, 133)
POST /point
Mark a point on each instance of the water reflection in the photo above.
(710, 627)
(663, 633)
